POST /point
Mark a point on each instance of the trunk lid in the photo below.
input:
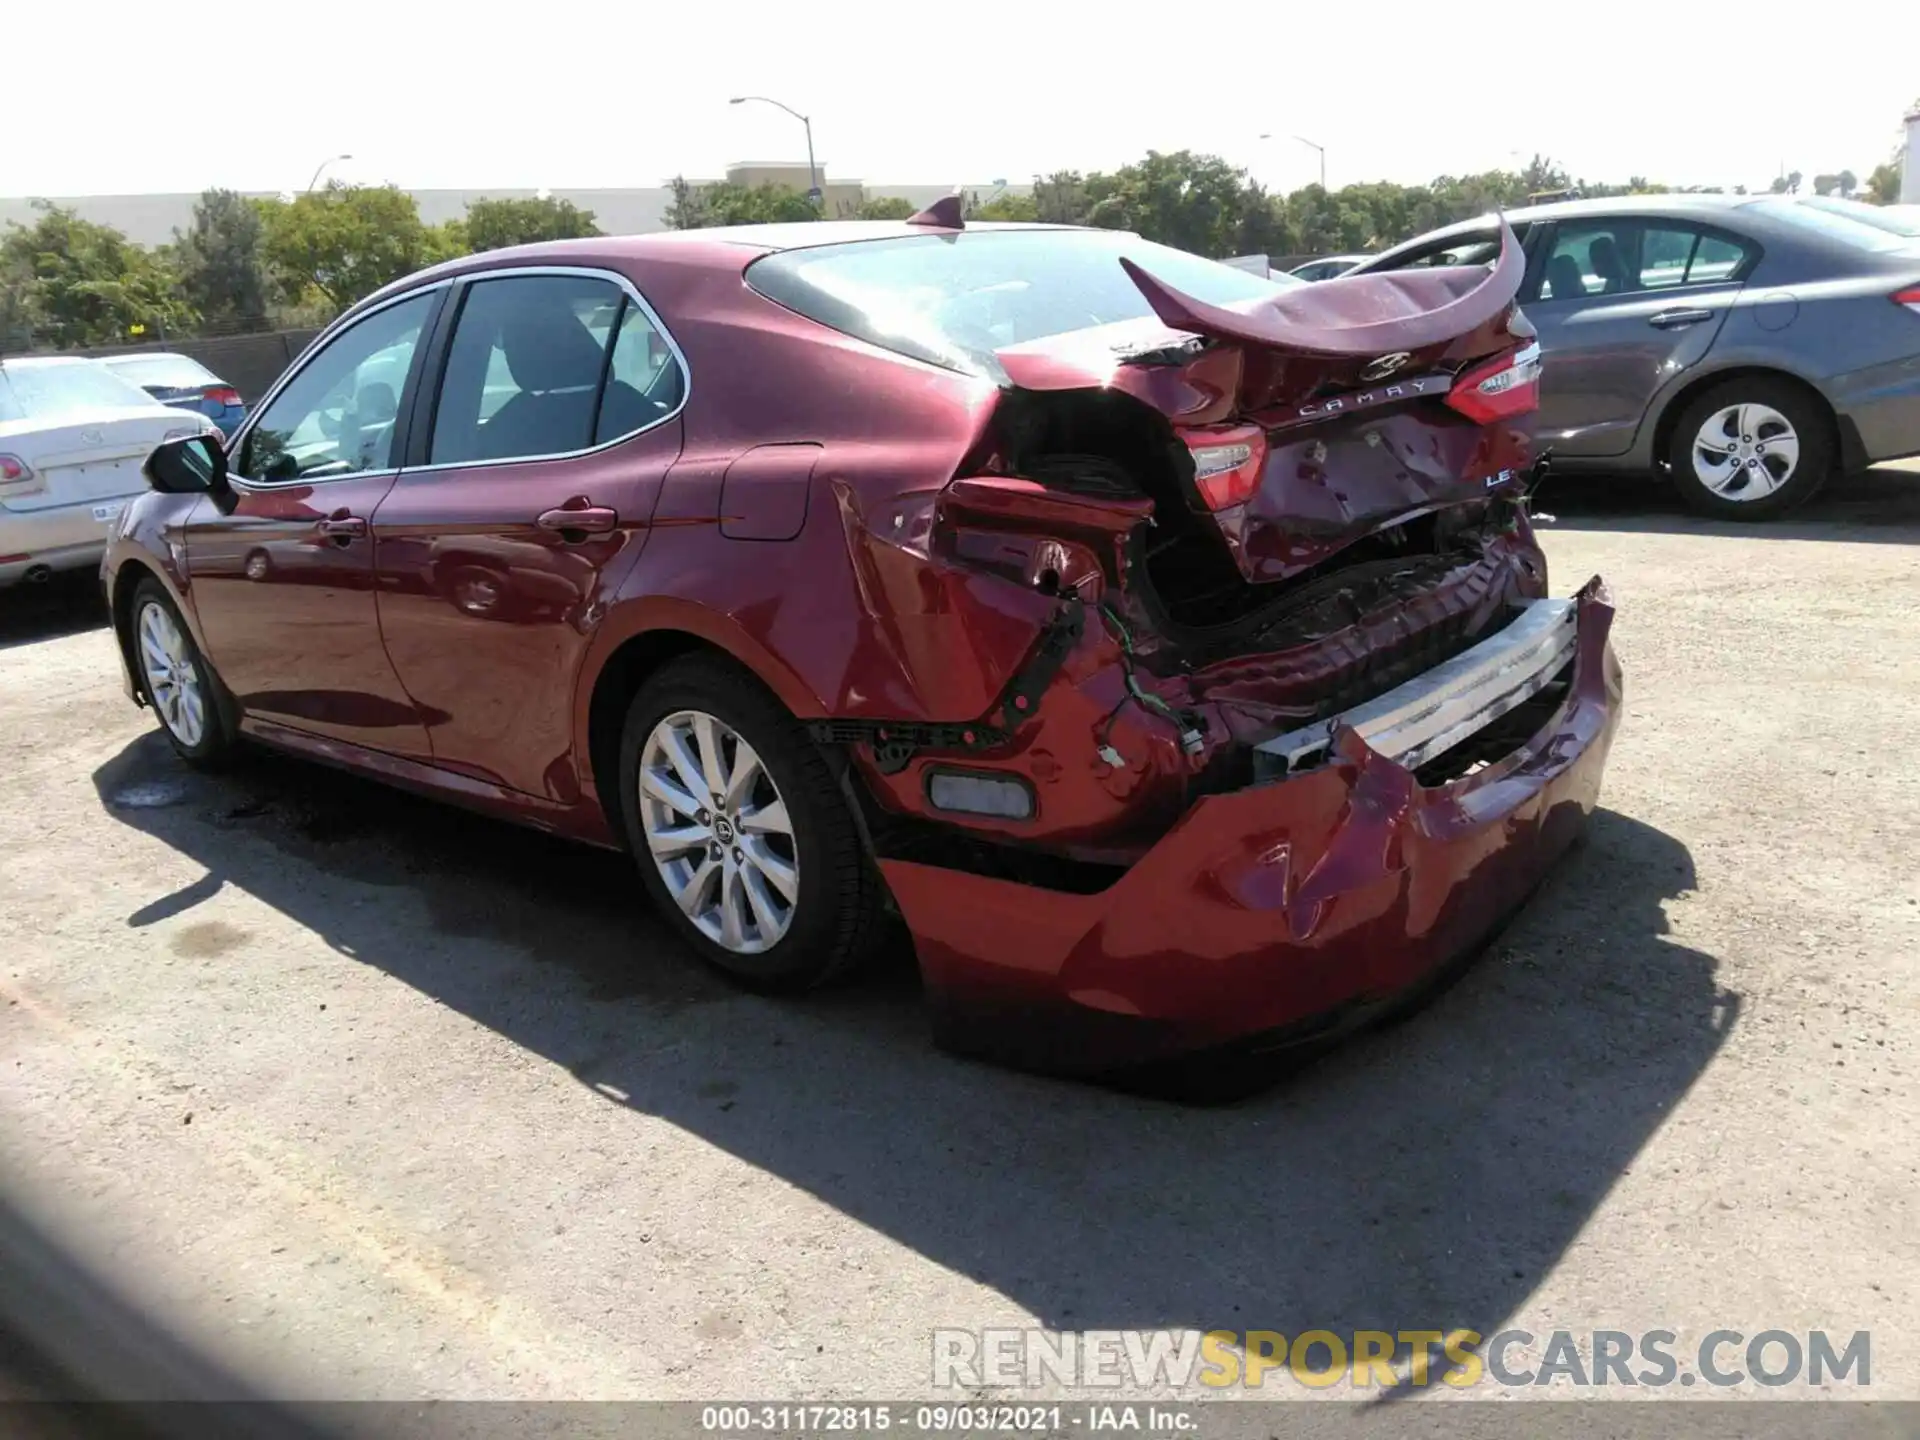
(93, 457)
(1327, 412)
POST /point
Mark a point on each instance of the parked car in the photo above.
(1743, 345)
(184, 383)
(1326, 267)
(73, 438)
(910, 567)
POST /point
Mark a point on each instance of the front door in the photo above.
(283, 584)
(1622, 306)
(540, 457)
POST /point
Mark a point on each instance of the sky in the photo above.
(596, 94)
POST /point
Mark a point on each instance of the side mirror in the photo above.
(195, 465)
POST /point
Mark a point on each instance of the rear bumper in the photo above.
(60, 537)
(1879, 408)
(1276, 910)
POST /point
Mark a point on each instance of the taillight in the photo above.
(1909, 297)
(17, 477)
(223, 395)
(1227, 464)
(1506, 386)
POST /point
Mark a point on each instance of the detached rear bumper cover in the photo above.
(1277, 907)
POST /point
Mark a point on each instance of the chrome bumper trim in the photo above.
(1432, 713)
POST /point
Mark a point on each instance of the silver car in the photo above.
(73, 438)
(1744, 345)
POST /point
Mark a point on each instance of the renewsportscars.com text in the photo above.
(1220, 1359)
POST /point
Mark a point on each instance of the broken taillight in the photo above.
(1227, 464)
(1504, 387)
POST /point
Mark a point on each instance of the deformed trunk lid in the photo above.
(1344, 380)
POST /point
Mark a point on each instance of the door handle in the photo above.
(342, 528)
(1674, 319)
(585, 519)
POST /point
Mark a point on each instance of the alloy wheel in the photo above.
(173, 676)
(1745, 452)
(718, 832)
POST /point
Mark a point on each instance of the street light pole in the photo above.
(1323, 157)
(814, 192)
(321, 167)
(1268, 135)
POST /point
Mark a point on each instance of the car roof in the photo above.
(147, 355)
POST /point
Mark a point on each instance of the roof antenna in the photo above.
(942, 214)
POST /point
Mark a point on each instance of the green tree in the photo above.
(1193, 202)
(344, 242)
(1825, 184)
(495, 224)
(879, 207)
(220, 265)
(1004, 207)
(1883, 185)
(695, 207)
(70, 282)
(1849, 182)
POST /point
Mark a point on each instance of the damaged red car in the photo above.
(1168, 648)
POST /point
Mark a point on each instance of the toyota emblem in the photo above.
(1384, 366)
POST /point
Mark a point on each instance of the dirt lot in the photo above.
(376, 1099)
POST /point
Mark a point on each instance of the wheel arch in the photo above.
(1676, 405)
(628, 654)
(126, 580)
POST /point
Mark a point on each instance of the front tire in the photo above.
(179, 684)
(741, 833)
(1750, 449)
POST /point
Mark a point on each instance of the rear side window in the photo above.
(953, 300)
(544, 365)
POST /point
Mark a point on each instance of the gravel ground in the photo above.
(374, 1099)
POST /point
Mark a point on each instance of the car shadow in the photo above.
(1424, 1176)
(66, 604)
(1877, 505)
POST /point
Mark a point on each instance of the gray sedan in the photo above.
(1746, 345)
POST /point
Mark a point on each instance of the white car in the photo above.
(1327, 267)
(73, 438)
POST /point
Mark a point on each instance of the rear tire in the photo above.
(1750, 449)
(184, 691)
(741, 833)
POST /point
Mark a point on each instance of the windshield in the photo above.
(954, 300)
(1895, 219)
(52, 392)
(1841, 220)
(173, 372)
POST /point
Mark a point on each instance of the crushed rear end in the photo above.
(1300, 724)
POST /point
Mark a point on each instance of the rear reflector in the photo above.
(1227, 464)
(1501, 389)
(12, 467)
(223, 395)
(1909, 297)
(1004, 796)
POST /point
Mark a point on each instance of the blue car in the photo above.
(184, 384)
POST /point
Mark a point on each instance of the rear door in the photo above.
(536, 461)
(1622, 305)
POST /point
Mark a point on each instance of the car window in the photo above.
(526, 369)
(1589, 258)
(955, 299)
(1665, 251)
(1843, 225)
(645, 383)
(336, 416)
(1715, 258)
(53, 392)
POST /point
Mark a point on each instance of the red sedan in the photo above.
(1169, 647)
